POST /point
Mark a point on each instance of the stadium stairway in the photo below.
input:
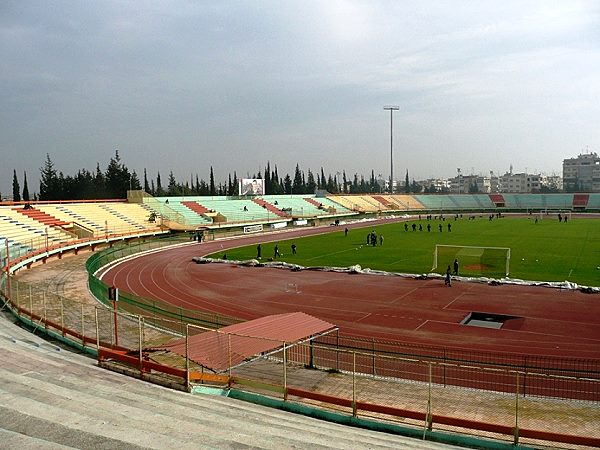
(55, 398)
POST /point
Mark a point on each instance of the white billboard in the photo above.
(252, 186)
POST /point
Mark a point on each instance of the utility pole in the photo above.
(391, 109)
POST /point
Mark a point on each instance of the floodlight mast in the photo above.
(391, 109)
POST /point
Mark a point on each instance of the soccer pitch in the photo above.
(542, 251)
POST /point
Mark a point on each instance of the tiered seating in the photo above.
(237, 210)
(135, 212)
(42, 217)
(453, 199)
(498, 200)
(24, 232)
(383, 202)
(558, 201)
(410, 202)
(274, 209)
(531, 201)
(594, 201)
(134, 217)
(196, 207)
(71, 212)
(387, 202)
(298, 205)
(357, 202)
(15, 247)
(471, 201)
(512, 201)
(483, 200)
(103, 217)
(174, 209)
(431, 201)
(342, 201)
(580, 201)
(330, 206)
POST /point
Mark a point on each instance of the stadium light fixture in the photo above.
(391, 109)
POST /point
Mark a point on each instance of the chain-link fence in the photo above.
(526, 400)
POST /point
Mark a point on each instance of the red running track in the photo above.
(552, 322)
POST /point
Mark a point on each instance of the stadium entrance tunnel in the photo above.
(489, 320)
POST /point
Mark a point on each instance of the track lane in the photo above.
(388, 308)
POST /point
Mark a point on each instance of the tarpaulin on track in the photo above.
(229, 346)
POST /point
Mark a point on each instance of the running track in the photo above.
(551, 322)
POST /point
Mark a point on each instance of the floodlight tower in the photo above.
(391, 109)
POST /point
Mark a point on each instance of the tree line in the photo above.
(117, 179)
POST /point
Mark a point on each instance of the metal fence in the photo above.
(429, 389)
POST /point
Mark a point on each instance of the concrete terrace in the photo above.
(54, 398)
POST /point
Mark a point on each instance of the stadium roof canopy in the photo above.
(217, 350)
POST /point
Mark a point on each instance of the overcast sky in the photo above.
(181, 86)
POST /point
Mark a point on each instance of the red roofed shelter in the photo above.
(219, 350)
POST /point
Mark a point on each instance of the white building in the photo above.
(470, 184)
(552, 182)
(520, 183)
(439, 184)
(582, 173)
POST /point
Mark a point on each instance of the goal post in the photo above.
(472, 260)
(553, 213)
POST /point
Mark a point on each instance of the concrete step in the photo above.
(54, 398)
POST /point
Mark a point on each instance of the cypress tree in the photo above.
(16, 188)
(213, 190)
(25, 188)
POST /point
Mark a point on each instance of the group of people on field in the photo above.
(373, 239)
(276, 253)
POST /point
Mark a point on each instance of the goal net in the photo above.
(554, 213)
(472, 261)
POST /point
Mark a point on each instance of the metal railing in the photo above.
(361, 378)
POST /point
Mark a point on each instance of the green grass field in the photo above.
(543, 251)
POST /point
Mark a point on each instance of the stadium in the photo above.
(180, 298)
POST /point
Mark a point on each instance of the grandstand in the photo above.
(45, 224)
(580, 201)
(408, 202)
(433, 202)
(358, 203)
(23, 233)
(237, 210)
(558, 201)
(296, 205)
